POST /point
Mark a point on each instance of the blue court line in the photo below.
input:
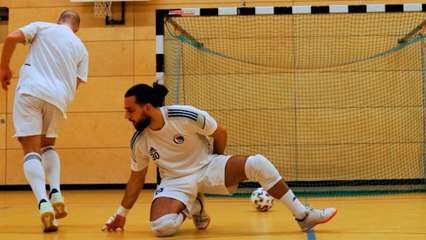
(311, 235)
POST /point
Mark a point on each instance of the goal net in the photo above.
(332, 100)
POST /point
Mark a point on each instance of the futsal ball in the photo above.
(261, 200)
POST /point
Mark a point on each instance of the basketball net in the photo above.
(102, 8)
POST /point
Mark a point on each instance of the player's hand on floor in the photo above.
(114, 222)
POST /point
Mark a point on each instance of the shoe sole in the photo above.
(205, 227)
(325, 221)
(60, 211)
(48, 219)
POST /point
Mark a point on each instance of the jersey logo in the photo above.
(159, 190)
(178, 139)
(154, 154)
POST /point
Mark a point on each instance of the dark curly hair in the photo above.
(146, 94)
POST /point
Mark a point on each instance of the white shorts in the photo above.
(211, 179)
(33, 116)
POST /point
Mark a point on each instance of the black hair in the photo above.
(146, 94)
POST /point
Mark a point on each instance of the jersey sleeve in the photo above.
(197, 120)
(83, 66)
(139, 158)
(139, 162)
(209, 123)
(30, 31)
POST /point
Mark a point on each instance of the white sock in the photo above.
(52, 167)
(295, 206)
(34, 174)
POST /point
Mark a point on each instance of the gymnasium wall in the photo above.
(93, 142)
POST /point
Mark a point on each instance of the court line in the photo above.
(311, 235)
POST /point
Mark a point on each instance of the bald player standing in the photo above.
(56, 64)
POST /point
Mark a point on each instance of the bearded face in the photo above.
(142, 123)
(136, 114)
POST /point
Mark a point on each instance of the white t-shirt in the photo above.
(55, 60)
(180, 148)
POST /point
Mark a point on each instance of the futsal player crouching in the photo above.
(176, 138)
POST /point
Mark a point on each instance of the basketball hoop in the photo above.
(102, 8)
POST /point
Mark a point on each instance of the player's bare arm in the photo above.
(9, 47)
(79, 81)
(220, 137)
(133, 189)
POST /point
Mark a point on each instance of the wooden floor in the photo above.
(386, 217)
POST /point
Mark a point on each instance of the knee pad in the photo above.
(259, 169)
(167, 225)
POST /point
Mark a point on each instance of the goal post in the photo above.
(325, 93)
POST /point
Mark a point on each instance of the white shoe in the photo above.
(316, 216)
(47, 217)
(201, 220)
(58, 204)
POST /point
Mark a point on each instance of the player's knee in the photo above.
(260, 169)
(167, 225)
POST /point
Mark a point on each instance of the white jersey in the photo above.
(180, 148)
(55, 60)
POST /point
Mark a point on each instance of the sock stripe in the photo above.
(46, 149)
(32, 156)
